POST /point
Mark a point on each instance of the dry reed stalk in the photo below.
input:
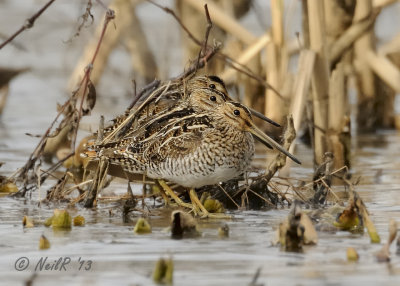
(249, 53)
(279, 159)
(382, 3)
(341, 34)
(305, 24)
(27, 174)
(385, 69)
(277, 22)
(338, 111)
(124, 23)
(142, 58)
(320, 78)
(110, 40)
(301, 87)
(363, 44)
(224, 21)
(274, 106)
(347, 39)
(300, 92)
(365, 76)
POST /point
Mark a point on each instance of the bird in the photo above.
(169, 103)
(193, 149)
(168, 98)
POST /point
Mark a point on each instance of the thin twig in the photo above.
(261, 197)
(110, 15)
(245, 70)
(28, 24)
(210, 53)
(320, 179)
(22, 173)
(207, 52)
(330, 190)
(226, 193)
(172, 13)
(208, 30)
(275, 188)
(67, 191)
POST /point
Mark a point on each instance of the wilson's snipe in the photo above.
(192, 135)
(193, 149)
(198, 93)
(197, 149)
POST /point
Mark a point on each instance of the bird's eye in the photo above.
(213, 98)
(236, 112)
(212, 86)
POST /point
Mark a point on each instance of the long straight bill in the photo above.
(263, 117)
(268, 141)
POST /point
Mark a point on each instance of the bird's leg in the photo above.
(197, 205)
(172, 194)
(164, 196)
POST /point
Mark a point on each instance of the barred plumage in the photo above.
(192, 135)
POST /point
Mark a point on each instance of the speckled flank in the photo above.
(222, 156)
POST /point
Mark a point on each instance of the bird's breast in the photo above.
(218, 158)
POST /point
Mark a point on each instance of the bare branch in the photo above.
(28, 24)
(172, 13)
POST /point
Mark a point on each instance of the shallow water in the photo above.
(117, 255)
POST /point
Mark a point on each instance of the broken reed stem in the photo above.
(347, 39)
(299, 96)
(301, 88)
(28, 24)
(385, 69)
(320, 77)
(280, 159)
(274, 106)
(249, 53)
(338, 112)
(97, 183)
(365, 78)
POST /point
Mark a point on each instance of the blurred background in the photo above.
(335, 66)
